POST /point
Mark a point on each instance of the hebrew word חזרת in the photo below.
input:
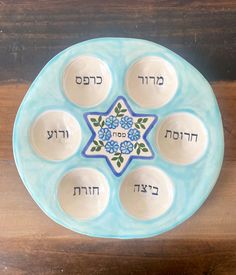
(79, 190)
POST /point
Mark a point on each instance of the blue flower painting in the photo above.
(104, 134)
(112, 122)
(119, 135)
(126, 122)
(112, 146)
(126, 147)
(134, 134)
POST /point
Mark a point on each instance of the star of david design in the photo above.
(119, 135)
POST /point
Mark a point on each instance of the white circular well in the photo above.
(151, 82)
(181, 138)
(146, 193)
(55, 135)
(83, 193)
(87, 81)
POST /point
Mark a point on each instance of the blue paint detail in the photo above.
(112, 146)
(192, 183)
(94, 134)
(126, 147)
(104, 134)
(126, 122)
(134, 134)
(112, 122)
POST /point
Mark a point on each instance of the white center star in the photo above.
(119, 135)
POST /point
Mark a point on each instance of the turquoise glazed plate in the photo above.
(119, 138)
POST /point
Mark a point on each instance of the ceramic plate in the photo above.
(119, 138)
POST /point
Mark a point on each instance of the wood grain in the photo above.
(60, 256)
(21, 217)
(32, 32)
(13, 93)
(31, 243)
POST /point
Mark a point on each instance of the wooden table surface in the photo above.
(31, 32)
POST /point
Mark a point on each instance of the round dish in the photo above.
(119, 138)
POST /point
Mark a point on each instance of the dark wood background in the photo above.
(31, 33)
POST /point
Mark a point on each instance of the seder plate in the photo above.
(119, 138)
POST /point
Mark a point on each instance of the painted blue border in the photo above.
(193, 183)
(94, 135)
